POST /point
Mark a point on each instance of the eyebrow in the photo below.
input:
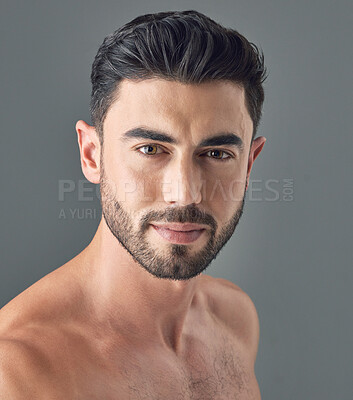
(223, 138)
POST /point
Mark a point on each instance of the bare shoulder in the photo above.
(49, 299)
(34, 332)
(30, 333)
(235, 310)
(23, 370)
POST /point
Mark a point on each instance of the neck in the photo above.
(129, 298)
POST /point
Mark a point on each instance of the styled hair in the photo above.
(184, 46)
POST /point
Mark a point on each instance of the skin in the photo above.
(104, 325)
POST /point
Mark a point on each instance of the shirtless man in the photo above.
(133, 316)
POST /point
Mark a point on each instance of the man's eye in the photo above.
(149, 149)
(152, 149)
(219, 155)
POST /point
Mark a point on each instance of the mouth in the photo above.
(179, 233)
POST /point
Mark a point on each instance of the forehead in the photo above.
(183, 110)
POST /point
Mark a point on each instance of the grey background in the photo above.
(293, 257)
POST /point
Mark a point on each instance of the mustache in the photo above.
(190, 213)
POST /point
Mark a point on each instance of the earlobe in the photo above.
(256, 147)
(89, 151)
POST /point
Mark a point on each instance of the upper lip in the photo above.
(180, 227)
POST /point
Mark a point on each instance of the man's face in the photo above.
(176, 177)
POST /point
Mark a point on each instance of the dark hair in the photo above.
(185, 46)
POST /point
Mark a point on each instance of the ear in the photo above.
(255, 150)
(88, 142)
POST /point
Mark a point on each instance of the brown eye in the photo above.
(149, 150)
(219, 154)
(216, 153)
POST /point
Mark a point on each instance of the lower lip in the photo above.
(178, 237)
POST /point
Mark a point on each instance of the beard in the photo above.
(177, 262)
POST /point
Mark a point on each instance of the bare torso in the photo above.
(52, 348)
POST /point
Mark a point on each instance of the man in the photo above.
(176, 101)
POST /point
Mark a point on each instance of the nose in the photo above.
(182, 184)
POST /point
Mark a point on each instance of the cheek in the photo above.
(128, 179)
(225, 188)
(137, 188)
(224, 194)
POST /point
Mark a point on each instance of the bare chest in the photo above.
(206, 377)
(218, 371)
